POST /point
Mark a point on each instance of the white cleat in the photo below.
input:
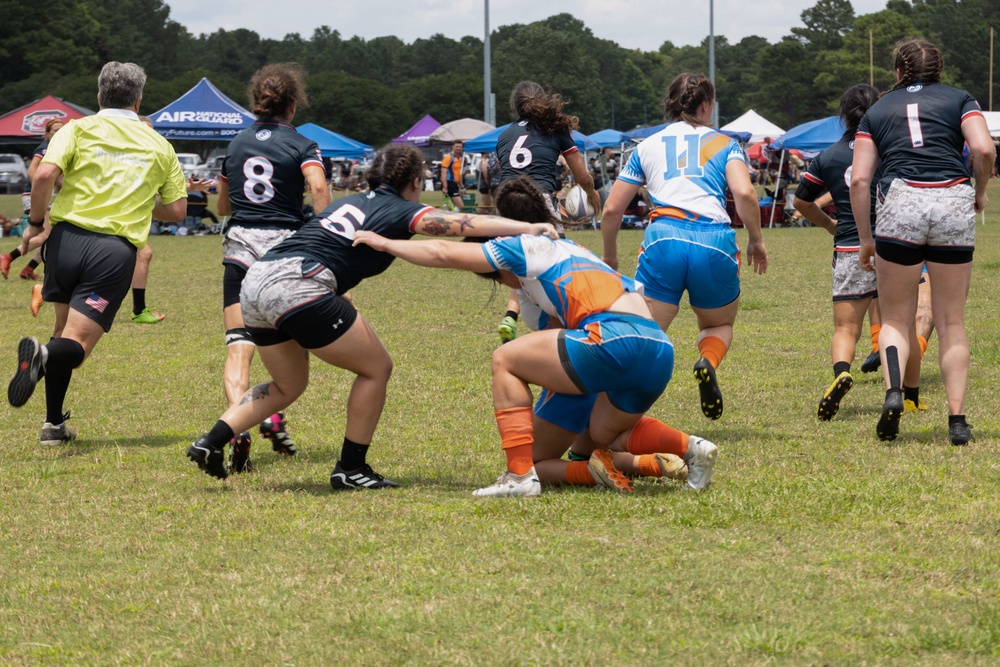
(700, 458)
(509, 485)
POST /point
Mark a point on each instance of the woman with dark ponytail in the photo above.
(689, 246)
(293, 302)
(926, 216)
(853, 288)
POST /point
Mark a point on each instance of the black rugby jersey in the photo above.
(263, 168)
(831, 170)
(326, 239)
(524, 151)
(917, 131)
(39, 153)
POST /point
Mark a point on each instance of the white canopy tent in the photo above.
(759, 127)
(993, 122)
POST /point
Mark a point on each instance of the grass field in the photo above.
(816, 545)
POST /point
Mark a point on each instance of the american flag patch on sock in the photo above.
(96, 302)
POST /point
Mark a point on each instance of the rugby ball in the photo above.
(578, 207)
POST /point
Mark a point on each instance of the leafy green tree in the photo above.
(826, 23)
(358, 108)
(447, 97)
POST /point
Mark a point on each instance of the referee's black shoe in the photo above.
(29, 365)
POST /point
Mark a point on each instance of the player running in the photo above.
(292, 301)
(596, 351)
(853, 288)
(688, 244)
(926, 214)
(267, 168)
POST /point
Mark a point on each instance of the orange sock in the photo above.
(875, 328)
(651, 436)
(713, 349)
(516, 437)
(923, 345)
(578, 474)
(648, 467)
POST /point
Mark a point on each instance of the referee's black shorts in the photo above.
(89, 271)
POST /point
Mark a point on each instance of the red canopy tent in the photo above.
(26, 125)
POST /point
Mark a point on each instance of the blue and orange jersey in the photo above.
(453, 165)
(684, 169)
(564, 280)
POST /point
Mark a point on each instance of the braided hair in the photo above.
(521, 199)
(685, 95)
(275, 88)
(543, 109)
(918, 61)
(396, 165)
(854, 103)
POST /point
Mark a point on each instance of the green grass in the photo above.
(817, 544)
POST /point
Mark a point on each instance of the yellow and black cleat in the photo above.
(830, 403)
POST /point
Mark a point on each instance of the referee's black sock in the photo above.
(64, 354)
(353, 455)
(14, 254)
(138, 300)
(33, 264)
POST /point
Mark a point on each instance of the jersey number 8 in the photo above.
(262, 179)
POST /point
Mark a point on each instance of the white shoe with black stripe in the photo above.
(359, 478)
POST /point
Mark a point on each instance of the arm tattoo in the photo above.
(441, 224)
(257, 393)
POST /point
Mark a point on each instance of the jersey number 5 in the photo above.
(691, 166)
(344, 221)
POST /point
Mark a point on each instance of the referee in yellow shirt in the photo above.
(117, 174)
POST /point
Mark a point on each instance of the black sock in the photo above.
(511, 314)
(33, 264)
(841, 367)
(911, 394)
(956, 419)
(14, 254)
(352, 456)
(892, 366)
(64, 354)
(138, 300)
(220, 434)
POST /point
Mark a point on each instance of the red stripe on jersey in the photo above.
(936, 184)
(570, 151)
(416, 218)
(862, 135)
(974, 112)
(846, 248)
(224, 179)
(812, 178)
(311, 161)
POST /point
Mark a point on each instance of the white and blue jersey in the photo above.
(684, 170)
(624, 355)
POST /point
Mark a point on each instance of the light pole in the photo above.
(711, 60)
(489, 113)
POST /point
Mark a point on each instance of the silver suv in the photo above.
(13, 173)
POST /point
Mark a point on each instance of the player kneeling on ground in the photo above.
(595, 336)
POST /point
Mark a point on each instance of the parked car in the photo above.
(192, 166)
(214, 167)
(13, 173)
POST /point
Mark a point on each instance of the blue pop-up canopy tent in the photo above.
(812, 137)
(202, 113)
(332, 144)
(608, 137)
(487, 143)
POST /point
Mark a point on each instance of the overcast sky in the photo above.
(635, 24)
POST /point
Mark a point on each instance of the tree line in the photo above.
(372, 90)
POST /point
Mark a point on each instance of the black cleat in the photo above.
(872, 363)
(277, 433)
(892, 409)
(212, 461)
(830, 403)
(960, 434)
(29, 364)
(239, 453)
(359, 478)
(708, 386)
